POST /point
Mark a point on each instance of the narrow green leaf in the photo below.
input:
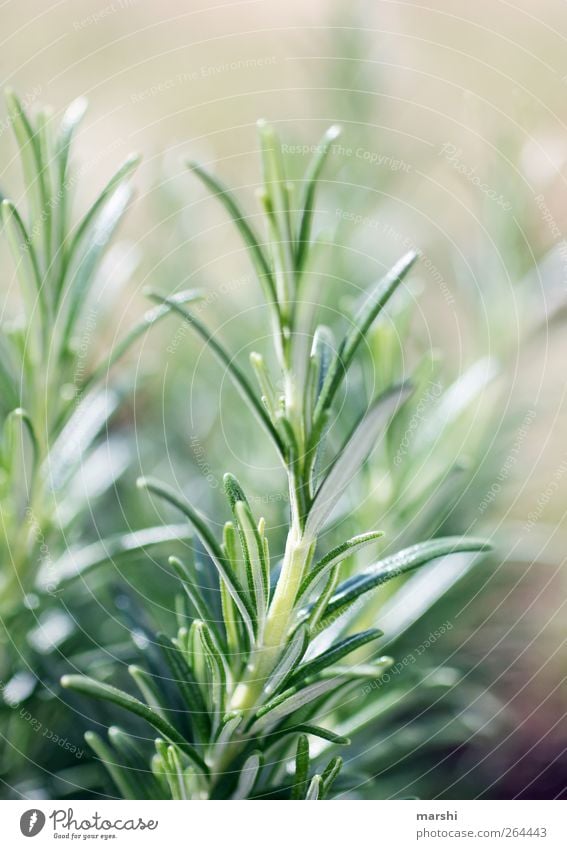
(121, 176)
(291, 656)
(22, 248)
(219, 672)
(9, 383)
(231, 621)
(184, 678)
(264, 382)
(275, 198)
(237, 375)
(255, 552)
(147, 687)
(230, 722)
(330, 774)
(177, 775)
(275, 182)
(252, 547)
(362, 322)
(248, 776)
(359, 671)
(231, 617)
(43, 138)
(72, 117)
(191, 587)
(213, 548)
(30, 153)
(334, 654)
(15, 418)
(135, 764)
(79, 284)
(322, 351)
(315, 731)
(230, 548)
(336, 556)
(349, 459)
(27, 143)
(159, 771)
(317, 610)
(249, 237)
(314, 789)
(150, 318)
(119, 774)
(79, 562)
(308, 202)
(106, 692)
(398, 564)
(290, 701)
(301, 768)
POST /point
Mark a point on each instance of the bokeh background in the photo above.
(454, 141)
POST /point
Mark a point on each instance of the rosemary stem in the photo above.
(298, 552)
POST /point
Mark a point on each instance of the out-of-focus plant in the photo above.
(55, 398)
(54, 404)
(253, 675)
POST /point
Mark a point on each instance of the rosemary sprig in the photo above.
(254, 689)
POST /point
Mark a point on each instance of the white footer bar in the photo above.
(294, 825)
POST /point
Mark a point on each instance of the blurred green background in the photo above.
(454, 141)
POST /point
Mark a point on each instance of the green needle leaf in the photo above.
(314, 790)
(121, 176)
(301, 768)
(308, 203)
(249, 237)
(77, 563)
(190, 690)
(9, 389)
(13, 420)
(362, 323)
(349, 459)
(398, 564)
(121, 776)
(336, 556)
(72, 117)
(290, 701)
(106, 692)
(213, 548)
(292, 654)
(315, 731)
(21, 246)
(30, 152)
(248, 776)
(147, 687)
(191, 587)
(236, 374)
(334, 654)
(252, 548)
(77, 290)
(218, 668)
(330, 774)
(150, 318)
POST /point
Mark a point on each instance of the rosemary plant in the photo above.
(55, 400)
(238, 709)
